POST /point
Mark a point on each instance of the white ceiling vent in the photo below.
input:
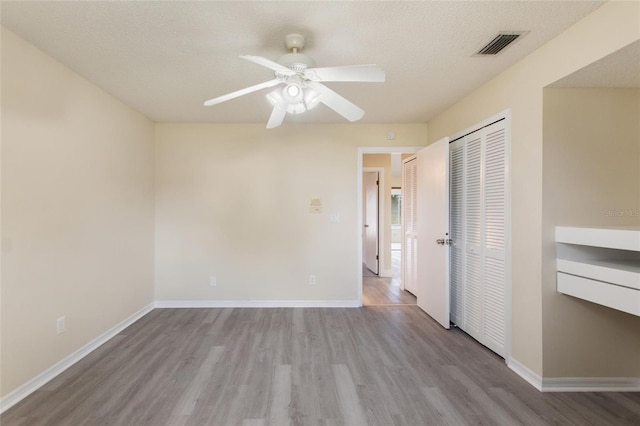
(500, 42)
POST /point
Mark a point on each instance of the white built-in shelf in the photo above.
(601, 265)
(618, 238)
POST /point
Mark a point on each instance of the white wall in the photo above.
(591, 168)
(77, 211)
(232, 200)
(519, 88)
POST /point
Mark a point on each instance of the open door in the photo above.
(371, 201)
(432, 230)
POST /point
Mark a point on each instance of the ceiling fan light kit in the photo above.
(303, 89)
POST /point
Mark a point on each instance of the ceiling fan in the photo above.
(303, 88)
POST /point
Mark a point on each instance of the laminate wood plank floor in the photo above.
(385, 291)
(374, 366)
(382, 291)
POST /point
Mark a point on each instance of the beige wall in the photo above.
(590, 157)
(609, 28)
(77, 211)
(232, 201)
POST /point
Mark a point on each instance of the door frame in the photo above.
(381, 240)
(359, 189)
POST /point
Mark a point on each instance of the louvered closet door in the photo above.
(479, 233)
(456, 194)
(472, 294)
(494, 201)
(409, 222)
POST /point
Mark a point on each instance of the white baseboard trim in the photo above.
(526, 373)
(591, 384)
(575, 384)
(257, 304)
(18, 394)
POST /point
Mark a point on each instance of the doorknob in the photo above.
(366, 226)
(440, 241)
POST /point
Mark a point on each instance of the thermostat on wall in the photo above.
(315, 206)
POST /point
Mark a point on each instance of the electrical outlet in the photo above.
(60, 326)
(312, 280)
(213, 281)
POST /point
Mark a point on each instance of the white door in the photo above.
(409, 245)
(371, 221)
(433, 230)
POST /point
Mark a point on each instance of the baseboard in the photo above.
(591, 384)
(257, 304)
(17, 395)
(575, 384)
(526, 373)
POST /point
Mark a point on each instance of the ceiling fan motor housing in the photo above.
(294, 60)
(297, 62)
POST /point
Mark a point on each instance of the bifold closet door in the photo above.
(456, 194)
(494, 250)
(478, 230)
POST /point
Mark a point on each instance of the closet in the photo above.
(478, 226)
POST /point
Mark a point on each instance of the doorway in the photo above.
(380, 174)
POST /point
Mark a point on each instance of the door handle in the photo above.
(366, 226)
(440, 241)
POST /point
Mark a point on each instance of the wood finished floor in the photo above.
(382, 291)
(385, 291)
(250, 367)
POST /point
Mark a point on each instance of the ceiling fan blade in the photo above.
(363, 73)
(268, 63)
(337, 103)
(277, 116)
(241, 92)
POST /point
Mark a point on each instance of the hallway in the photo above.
(385, 291)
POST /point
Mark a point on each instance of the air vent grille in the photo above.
(499, 42)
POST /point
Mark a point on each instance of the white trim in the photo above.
(509, 232)
(505, 114)
(18, 394)
(257, 304)
(526, 373)
(591, 384)
(381, 200)
(361, 151)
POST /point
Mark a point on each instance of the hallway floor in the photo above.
(385, 291)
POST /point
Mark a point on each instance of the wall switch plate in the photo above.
(213, 281)
(312, 280)
(60, 325)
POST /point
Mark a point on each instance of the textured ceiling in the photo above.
(620, 69)
(165, 58)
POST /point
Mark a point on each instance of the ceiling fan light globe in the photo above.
(275, 98)
(292, 93)
(311, 98)
(296, 108)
